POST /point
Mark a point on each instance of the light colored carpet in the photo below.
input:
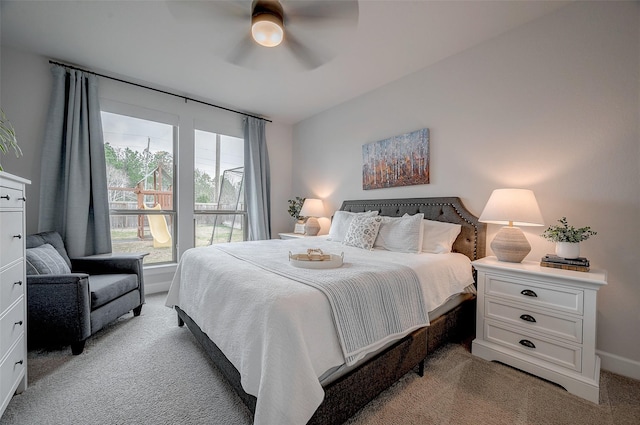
(146, 370)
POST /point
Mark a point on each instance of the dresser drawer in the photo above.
(12, 326)
(535, 293)
(12, 370)
(11, 197)
(11, 237)
(553, 325)
(564, 355)
(12, 284)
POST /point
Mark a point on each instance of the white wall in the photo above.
(551, 106)
(279, 137)
(26, 88)
(26, 83)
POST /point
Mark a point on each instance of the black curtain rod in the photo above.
(158, 90)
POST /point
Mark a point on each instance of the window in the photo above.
(219, 210)
(140, 180)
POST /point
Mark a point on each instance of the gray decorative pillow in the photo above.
(44, 259)
(362, 232)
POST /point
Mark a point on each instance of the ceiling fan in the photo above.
(306, 29)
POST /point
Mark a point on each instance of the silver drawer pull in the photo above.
(529, 293)
(19, 362)
(528, 318)
(19, 323)
(19, 236)
(7, 197)
(18, 283)
(527, 343)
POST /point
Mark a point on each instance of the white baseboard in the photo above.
(154, 288)
(620, 365)
(158, 278)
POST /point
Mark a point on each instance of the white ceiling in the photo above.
(185, 47)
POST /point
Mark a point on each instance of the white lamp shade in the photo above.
(517, 207)
(312, 208)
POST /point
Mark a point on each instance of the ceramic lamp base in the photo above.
(312, 227)
(510, 245)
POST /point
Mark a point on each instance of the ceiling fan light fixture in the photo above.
(267, 30)
(267, 24)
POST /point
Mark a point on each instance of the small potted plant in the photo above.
(7, 137)
(295, 205)
(567, 238)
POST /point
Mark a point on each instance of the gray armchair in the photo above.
(68, 300)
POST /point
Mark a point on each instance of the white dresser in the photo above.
(13, 286)
(540, 320)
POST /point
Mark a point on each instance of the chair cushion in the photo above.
(52, 238)
(44, 259)
(105, 288)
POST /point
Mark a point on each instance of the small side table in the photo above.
(291, 235)
(541, 320)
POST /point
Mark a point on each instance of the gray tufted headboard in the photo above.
(472, 238)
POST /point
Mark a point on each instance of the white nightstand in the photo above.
(540, 320)
(291, 235)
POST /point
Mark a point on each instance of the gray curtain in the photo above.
(73, 183)
(257, 184)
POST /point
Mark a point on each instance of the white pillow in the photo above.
(439, 236)
(401, 234)
(362, 231)
(342, 220)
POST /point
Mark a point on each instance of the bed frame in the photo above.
(349, 393)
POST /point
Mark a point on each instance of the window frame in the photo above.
(142, 113)
(209, 128)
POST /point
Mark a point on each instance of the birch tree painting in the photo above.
(397, 161)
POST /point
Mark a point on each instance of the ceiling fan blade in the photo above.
(305, 56)
(204, 10)
(338, 10)
(240, 53)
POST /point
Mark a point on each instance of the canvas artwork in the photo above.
(397, 161)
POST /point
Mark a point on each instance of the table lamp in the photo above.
(312, 208)
(511, 207)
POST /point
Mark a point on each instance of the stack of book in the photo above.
(580, 264)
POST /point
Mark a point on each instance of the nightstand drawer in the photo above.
(12, 284)
(564, 355)
(557, 326)
(531, 292)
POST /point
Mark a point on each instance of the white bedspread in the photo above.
(279, 334)
(357, 292)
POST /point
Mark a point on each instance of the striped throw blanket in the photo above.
(372, 302)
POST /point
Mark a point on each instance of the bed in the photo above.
(287, 373)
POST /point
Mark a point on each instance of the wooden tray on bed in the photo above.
(316, 259)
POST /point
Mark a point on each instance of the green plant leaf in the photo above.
(567, 233)
(8, 139)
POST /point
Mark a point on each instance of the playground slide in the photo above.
(159, 229)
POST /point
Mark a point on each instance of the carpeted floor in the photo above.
(146, 370)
